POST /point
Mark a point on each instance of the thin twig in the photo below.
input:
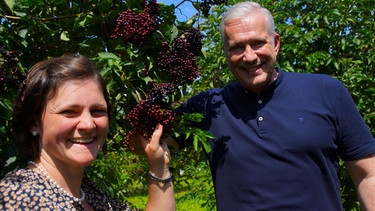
(44, 19)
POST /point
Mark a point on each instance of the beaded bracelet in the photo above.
(158, 179)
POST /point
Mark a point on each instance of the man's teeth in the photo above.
(81, 140)
(253, 68)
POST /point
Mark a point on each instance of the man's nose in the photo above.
(249, 54)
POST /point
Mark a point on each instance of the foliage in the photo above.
(215, 71)
(193, 178)
(123, 174)
(333, 38)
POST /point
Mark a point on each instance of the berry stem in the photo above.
(135, 90)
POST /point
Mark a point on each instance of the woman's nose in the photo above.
(86, 122)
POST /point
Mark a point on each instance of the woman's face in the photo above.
(74, 124)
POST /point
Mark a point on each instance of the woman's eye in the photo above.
(68, 112)
(100, 112)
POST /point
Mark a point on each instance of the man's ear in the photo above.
(276, 41)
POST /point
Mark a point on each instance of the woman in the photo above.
(61, 120)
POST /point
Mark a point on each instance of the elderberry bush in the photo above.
(174, 64)
(178, 62)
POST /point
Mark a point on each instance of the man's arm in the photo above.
(362, 173)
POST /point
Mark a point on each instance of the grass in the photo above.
(182, 203)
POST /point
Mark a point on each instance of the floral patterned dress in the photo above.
(26, 189)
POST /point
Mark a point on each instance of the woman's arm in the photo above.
(160, 184)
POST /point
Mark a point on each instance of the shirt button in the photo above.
(260, 102)
(260, 118)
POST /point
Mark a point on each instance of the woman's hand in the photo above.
(157, 153)
(160, 195)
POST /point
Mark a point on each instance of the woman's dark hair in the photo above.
(41, 84)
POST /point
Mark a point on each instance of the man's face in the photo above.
(251, 51)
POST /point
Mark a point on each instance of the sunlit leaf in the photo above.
(10, 4)
(64, 36)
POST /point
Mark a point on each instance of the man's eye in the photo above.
(236, 48)
(257, 45)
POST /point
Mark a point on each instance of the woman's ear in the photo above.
(35, 130)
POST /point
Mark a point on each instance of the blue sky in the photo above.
(187, 9)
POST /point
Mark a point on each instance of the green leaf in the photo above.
(5, 109)
(64, 36)
(336, 64)
(174, 33)
(20, 14)
(195, 143)
(86, 20)
(206, 146)
(187, 134)
(10, 4)
(107, 55)
(105, 71)
(147, 79)
(22, 33)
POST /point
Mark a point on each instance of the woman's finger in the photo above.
(156, 136)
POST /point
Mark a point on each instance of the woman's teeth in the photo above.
(82, 140)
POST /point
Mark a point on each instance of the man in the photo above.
(278, 136)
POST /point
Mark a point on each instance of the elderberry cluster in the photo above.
(134, 28)
(179, 62)
(206, 5)
(10, 74)
(192, 40)
(150, 112)
(144, 117)
(159, 92)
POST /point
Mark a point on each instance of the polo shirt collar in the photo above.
(270, 88)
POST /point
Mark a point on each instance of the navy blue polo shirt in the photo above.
(279, 151)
